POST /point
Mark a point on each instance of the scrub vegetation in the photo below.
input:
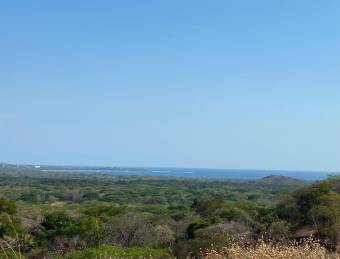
(82, 215)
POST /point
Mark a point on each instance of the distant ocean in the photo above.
(198, 173)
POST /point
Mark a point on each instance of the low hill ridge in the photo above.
(283, 180)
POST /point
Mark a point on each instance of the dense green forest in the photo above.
(82, 215)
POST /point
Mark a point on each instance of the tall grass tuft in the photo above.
(11, 248)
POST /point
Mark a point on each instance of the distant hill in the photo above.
(283, 180)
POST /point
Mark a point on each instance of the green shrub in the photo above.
(7, 206)
(106, 252)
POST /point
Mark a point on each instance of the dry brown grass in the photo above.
(263, 250)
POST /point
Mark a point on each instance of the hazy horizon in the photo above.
(229, 84)
(167, 167)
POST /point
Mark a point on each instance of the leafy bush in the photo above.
(106, 252)
(59, 223)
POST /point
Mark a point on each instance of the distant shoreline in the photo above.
(201, 173)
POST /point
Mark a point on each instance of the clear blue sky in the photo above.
(223, 84)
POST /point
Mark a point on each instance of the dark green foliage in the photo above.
(58, 223)
(307, 198)
(317, 206)
(207, 206)
(194, 227)
(103, 210)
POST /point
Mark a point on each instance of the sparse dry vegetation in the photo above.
(270, 250)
